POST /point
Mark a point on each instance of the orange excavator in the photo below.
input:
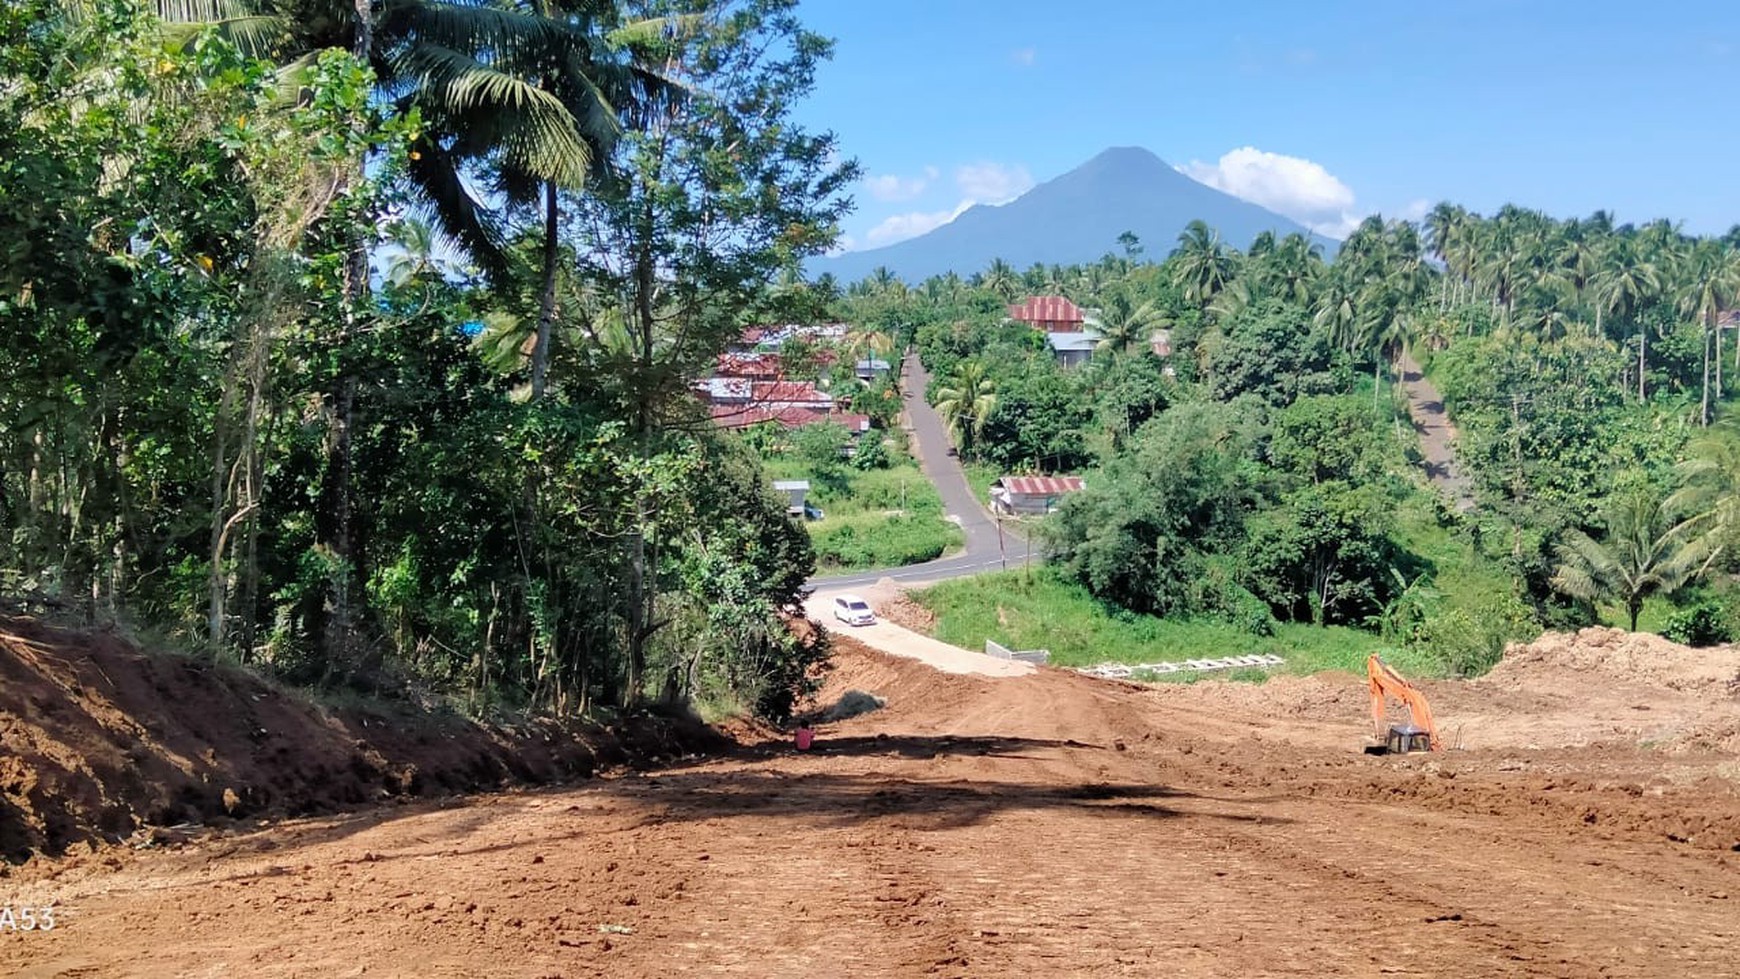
(1422, 734)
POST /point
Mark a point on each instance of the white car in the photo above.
(853, 610)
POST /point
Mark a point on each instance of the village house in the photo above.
(1014, 495)
(1072, 349)
(871, 369)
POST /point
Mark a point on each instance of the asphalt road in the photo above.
(987, 549)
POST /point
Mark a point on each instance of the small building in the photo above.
(873, 368)
(1072, 349)
(1053, 314)
(795, 492)
(1032, 494)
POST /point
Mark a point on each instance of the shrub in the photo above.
(1704, 624)
(1471, 642)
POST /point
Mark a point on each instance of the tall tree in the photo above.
(714, 195)
(1646, 551)
(1201, 264)
(965, 402)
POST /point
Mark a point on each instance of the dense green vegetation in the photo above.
(356, 342)
(1265, 473)
(876, 514)
(353, 341)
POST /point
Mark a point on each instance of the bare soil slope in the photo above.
(99, 742)
(1048, 825)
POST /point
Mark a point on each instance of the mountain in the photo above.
(1073, 218)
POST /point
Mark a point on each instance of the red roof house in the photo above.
(1053, 314)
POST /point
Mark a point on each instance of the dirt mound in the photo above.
(98, 740)
(1632, 657)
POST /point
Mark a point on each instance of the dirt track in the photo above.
(1046, 825)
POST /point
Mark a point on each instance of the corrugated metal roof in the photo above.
(1042, 485)
(1072, 341)
(1046, 309)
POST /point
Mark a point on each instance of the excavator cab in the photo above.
(1406, 738)
(1421, 734)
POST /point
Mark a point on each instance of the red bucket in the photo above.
(805, 737)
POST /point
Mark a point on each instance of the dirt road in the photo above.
(889, 637)
(1044, 825)
(1437, 436)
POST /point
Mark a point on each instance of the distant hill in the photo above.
(1073, 218)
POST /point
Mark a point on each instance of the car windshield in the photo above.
(860, 607)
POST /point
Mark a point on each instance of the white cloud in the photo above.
(1025, 57)
(893, 187)
(900, 227)
(992, 183)
(979, 183)
(1289, 185)
(1416, 210)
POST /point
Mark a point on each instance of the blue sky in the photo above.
(1324, 111)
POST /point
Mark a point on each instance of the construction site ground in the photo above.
(1040, 825)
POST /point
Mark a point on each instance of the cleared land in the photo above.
(1041, 825)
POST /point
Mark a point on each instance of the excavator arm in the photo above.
(1386, 682)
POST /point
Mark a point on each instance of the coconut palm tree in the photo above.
(1712, 287)
(1202, 264)
(868, 341)
(966, 402)
(534, 90)
(1623, 287)
(1647, 551)
(1001, 279)
(1124, 325)
(1710, 475)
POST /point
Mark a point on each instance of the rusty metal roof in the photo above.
(1042, 485)
(1046, 309)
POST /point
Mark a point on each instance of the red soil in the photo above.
(1046, 825)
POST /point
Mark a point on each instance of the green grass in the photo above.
(980, 476)
(1039, 610)
(881, 518)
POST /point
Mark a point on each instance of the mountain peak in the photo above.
(1073, 218)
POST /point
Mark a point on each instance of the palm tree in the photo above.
(1338, 312)
(1000, 278)
(1646, 552)
(1202, 265)
(966, 402)
(1710, 475)
(1713, 288)
(1623, 287)
(1124, 325)
(416, 252)
(1295, 269)
(868, 340)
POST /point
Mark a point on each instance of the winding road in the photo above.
(989, 546)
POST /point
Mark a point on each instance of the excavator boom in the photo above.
(1386, 682)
